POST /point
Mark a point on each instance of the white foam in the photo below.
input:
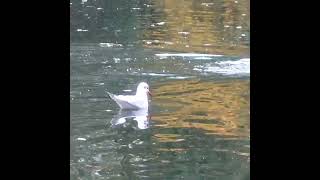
(116, 60)
(206, 58)
(82, 30)
(110, 45)
(157, 74)
(179, 77)
(168, 42)
(197, 69)
(188, 55)
(161, 23)
(207, 4)
(184, 33)
(241, 66)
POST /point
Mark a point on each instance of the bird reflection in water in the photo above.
(141, 116)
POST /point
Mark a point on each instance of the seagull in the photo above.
(133, 102)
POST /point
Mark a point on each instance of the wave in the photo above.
(237, 67)
(187, 55)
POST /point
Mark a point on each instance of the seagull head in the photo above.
(143, 89)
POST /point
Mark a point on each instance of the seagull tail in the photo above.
(111, 95)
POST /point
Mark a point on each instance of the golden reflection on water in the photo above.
(199, 26)
(220, 108)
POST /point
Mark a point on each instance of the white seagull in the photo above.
(133, 102)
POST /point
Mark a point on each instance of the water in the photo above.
(195, 57)
(198, 127)
(210, 26)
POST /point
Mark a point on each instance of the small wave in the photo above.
(110, 45)
(203, 58)
(188, 55)
(241, 66)
(82, 30)
(179, 77)
(207, 4)
(157, 74)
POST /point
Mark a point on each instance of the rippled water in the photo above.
(210, 26)
(198, 126)
(194, 54)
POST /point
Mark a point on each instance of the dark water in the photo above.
(198, 126)
(211, 26)
(195, 57)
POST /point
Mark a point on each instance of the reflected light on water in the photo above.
(217, 108)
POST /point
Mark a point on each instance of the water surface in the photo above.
(195, 55)
(198, 126)
(210, 26)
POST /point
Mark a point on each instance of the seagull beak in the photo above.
(149, 93)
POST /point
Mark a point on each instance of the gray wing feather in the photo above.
(121, 103)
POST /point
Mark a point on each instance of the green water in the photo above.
(211, 26)
(198, 126)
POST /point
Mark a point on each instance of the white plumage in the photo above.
(133, 102)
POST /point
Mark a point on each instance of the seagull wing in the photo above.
(125, 102)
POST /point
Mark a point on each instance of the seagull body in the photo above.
(133, 102)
